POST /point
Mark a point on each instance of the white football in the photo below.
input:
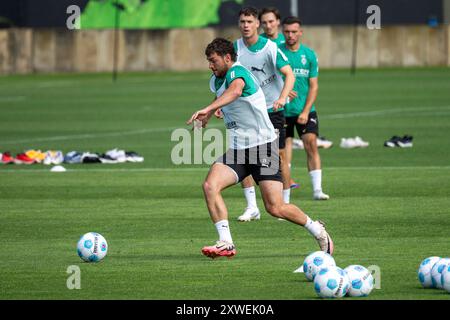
(316, 261)
(424, 271)
(361, 281)
(331, 282)
(92, 247)
(445, 278)
(436, 272)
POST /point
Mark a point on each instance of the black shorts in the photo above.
(312, 126)
(279, 123)
(261, 162)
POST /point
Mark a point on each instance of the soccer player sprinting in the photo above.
(300, 111)
(253, 149)
(268, 64)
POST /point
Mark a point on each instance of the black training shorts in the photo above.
(261, 162)
(312, 126)
(279, 123)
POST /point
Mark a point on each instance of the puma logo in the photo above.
(260, 70)
(313, 120)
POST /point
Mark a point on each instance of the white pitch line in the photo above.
(98, 135)
(381, 112)
(205, 169)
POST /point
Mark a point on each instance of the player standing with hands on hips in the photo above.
(253, 149)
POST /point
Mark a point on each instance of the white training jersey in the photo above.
(263, 65)
(246, 118)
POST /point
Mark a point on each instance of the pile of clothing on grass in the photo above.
(58, 157)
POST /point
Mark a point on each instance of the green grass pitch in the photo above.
(388, 207)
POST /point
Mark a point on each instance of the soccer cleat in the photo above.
(294, 185)
(322, 142)
(319, 195)
(118, 155)
(220, 249)
(356, 142)
(7, 158)
(392, 142)
(348, 143)
(405, 142)
(132, 156)
(37, 155)
(359, 142)
(73, 157)
(324, 240)
(22, 158)
(249, 215)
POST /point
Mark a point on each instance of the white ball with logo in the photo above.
(361, 281)
(316, 261)
(92, 247)
(331, 282)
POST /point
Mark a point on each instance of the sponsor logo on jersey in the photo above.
(301, 72)
(231, 125)
(259, 69)
(268, 81)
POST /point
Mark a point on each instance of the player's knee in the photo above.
(209, 187)
(274, 210)
(310, 146)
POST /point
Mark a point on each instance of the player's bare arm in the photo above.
(218, 113)
(312, 95)
(289, 80)
(293, 94)
(233, 92)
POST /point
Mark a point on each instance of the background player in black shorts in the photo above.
(300, 112)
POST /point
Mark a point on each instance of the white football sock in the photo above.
(316, 180)
(224, 231)
(250, 195)
(287, 195)
(313, 227)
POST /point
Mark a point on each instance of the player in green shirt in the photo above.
(270, 21)
(300, 112)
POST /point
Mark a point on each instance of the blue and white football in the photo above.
(331, 282)
(361, 281)
(436, 272)
(92, 247)
(424, 271)
(316, 261)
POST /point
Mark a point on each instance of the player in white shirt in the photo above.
(238, 94)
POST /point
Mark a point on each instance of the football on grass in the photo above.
(331, 282)
(316, 261)
(92, 247)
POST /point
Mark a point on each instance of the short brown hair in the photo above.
(273, 10)
(221, 47)
(292, 20)
(249, 11)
